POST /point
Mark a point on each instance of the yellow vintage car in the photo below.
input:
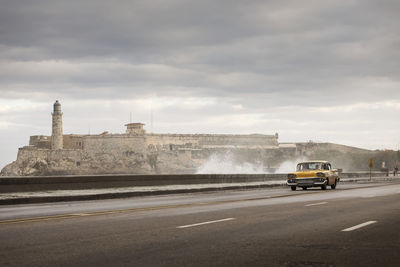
(316, 173)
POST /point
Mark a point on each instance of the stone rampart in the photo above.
(73, 141)
(213, 140)
(116, 144)
(252, 140)
(168, 141)
(40, 141)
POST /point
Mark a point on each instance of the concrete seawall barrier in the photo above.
(32, 184)
(44, 183)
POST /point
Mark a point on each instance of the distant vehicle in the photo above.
(317, 173)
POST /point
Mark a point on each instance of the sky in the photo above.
(326, 71)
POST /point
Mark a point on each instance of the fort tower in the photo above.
(135, 128)
(57, 133)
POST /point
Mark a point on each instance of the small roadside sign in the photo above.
(371, 164)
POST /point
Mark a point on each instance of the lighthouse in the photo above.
(56, 133)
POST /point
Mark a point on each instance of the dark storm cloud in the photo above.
(262, 47)
(86, 28)
(203, 66)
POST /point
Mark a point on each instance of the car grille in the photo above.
(307, 181)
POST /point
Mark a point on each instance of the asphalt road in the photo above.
(354, 225)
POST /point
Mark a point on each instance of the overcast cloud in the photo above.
(309, 70)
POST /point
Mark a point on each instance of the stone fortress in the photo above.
(138, 152)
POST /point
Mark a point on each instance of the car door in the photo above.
(331, 178)
(332, 174)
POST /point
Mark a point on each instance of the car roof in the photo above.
(314, 161)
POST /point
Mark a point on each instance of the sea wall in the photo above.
(32, 184)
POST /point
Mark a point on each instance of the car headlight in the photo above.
(291, 176)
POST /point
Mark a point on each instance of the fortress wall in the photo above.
(44, 144)
(253, 140)
(213, 140)
(164, 140)
(73, 141)
(40, 141)
(126, 142)
(27, 153)
(114, 144)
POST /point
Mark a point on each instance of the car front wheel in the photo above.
(293, 188)
(333, 186)
(323, 187)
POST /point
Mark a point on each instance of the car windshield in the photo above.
(309, 166)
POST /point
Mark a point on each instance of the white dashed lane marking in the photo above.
(203, 223)
(358, 226)
(316, 204)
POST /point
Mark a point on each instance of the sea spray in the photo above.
(289, 165)
(224, 163)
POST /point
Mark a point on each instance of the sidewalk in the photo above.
(123, 192)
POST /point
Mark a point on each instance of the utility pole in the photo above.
(151, 120)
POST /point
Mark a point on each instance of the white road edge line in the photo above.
(202, 223)
(358, 226)
(315, 204)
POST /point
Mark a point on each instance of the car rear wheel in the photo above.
(333, 186)
(293, 188)
(323, 187)
(304, 187)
